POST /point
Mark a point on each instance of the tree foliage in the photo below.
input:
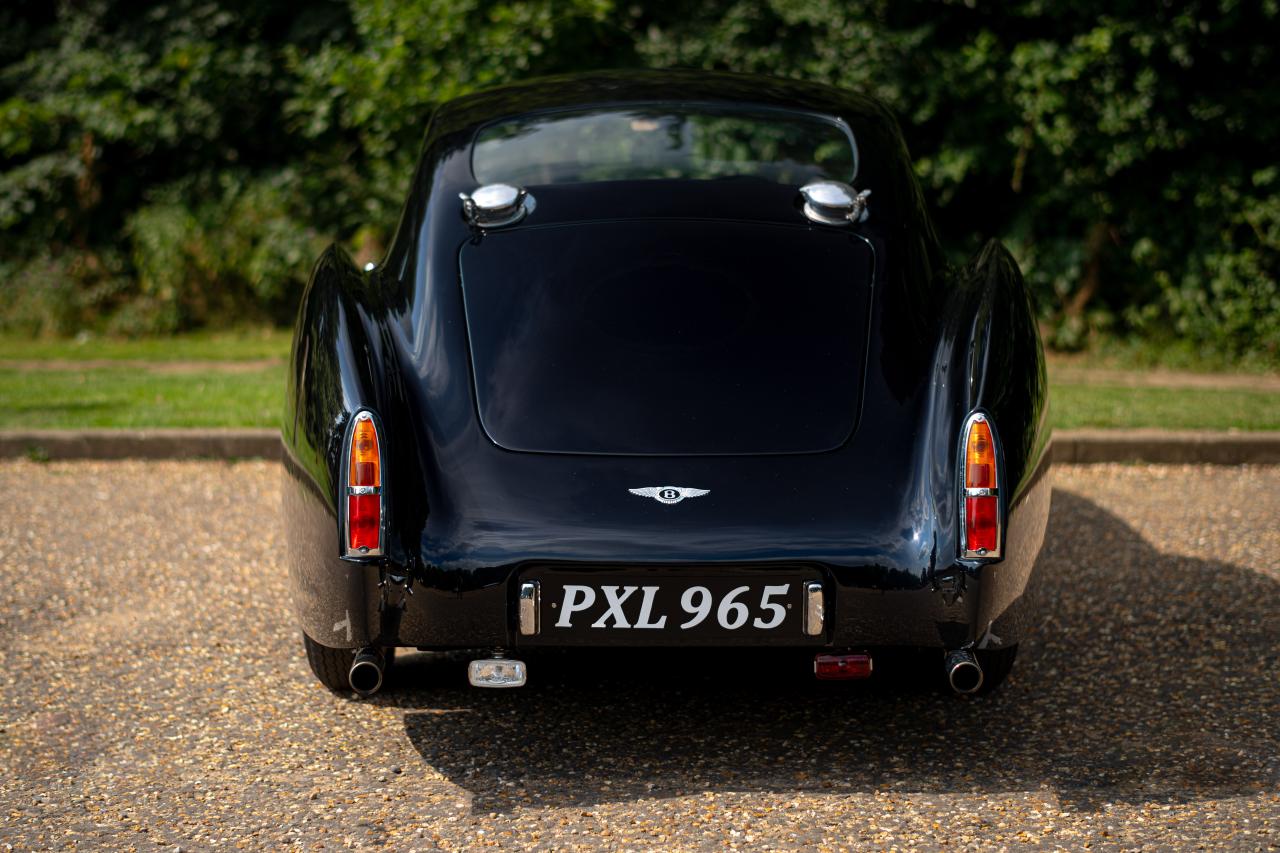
(171, 165)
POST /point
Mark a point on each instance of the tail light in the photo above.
(980, 503)
(364, 490)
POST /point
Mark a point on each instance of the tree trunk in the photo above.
(1095, 242)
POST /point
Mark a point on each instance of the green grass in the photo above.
(129, 397)
(1076, 406)
(249, 344)
(188, 395)
(1116, 353)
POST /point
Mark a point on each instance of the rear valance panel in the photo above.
(668, 337)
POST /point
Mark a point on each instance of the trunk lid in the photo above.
(667, 336)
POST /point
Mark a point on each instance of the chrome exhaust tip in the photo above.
(365, 675)
(963, 672)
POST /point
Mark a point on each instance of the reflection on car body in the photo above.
(607, 281)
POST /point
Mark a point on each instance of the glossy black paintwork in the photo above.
(876, 517)
(664, 337)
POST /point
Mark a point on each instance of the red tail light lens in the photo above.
(364, 490)
(981, 532)
(364, 520)
(981, 497)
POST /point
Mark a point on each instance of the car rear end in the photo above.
(656, 399)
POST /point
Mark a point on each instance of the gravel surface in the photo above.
(156, 694)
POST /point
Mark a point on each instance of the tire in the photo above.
(996, 665)
(331, 666)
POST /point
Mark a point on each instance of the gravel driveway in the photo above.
(156, 694)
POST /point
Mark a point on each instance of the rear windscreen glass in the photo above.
(663, 141)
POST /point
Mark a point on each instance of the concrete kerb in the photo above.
(141, 444)
(1164, 447)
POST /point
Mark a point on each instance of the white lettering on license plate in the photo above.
(633, 607)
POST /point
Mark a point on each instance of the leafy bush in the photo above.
(230, 259)
(154, 129)
(61, 294)
(1125, 153)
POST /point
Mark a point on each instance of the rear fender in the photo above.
(1005, 367)
(333, 373)
(989, 358)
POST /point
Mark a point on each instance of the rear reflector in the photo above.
(980, 505)
(364, 490)
(842, 667)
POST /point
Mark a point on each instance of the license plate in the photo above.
(672, 608)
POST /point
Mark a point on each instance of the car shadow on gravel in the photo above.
(1152, 679)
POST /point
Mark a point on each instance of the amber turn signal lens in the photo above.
(364, 467)
(980, 457)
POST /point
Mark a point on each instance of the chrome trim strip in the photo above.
(364, 490)
(981, 493)
(814, 608)
(530, 599)
(980, 555)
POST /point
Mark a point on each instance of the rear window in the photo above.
(659, 141)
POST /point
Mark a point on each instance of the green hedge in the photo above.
(178, 165)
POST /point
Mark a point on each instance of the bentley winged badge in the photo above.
(668, 494)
